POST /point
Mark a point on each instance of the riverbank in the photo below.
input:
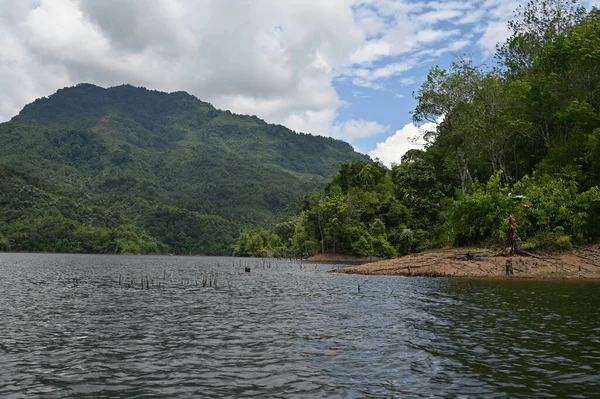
(328, 258)
(484, 263)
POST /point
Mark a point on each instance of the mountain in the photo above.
(149, 171)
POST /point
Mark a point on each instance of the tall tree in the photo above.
(444, 98)
(534, 25)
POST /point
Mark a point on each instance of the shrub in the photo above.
(362, 246)
(4, 244)
(382, 248)
(549, 241)
(553, 204)
(481, 215)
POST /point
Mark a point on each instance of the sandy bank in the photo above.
(580, 264)
(341, 259)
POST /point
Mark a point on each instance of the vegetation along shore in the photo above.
(511, 154)
(511, 159)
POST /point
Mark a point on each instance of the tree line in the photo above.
(521, 138)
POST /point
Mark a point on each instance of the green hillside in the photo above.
(152, 171)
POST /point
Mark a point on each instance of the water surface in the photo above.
(288, 330)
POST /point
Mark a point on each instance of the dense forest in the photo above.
(521, 138)
(129, 170)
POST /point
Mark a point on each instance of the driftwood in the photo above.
(587, 260)
(587, 249)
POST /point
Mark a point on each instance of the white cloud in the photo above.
(433, 35)
(407, 81)
(368, 19)
(277, 60)
(472, 17)
(260, 58)
(358, 128)
(372, 50)
(372, 77)
(433, 17)
(493, 33)
(409, 137)
(453, 47)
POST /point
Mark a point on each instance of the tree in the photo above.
(4, 244)
(539, 115)
(444, 92)
(493, 121)
(535, 25)
(418, 190)
(443, 99)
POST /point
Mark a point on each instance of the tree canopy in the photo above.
(520, 139)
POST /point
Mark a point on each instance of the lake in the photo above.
(82, 326)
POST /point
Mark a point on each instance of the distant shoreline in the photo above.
(581, 264)
(330, 258)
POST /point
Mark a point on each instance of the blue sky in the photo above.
(339, 68)
(391, 104)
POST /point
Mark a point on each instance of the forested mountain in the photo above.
(127, 169)
(521, 139)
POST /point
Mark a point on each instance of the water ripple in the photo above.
(82, 326)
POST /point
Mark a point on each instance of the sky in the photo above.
(340, 68)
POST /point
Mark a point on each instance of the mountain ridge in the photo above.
(125, 144)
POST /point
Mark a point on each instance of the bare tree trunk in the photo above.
(515, 246)
(465, 174)
(319, 216)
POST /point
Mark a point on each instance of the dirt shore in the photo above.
(341, 259)
(482, 263)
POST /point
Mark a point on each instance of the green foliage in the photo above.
(250, 244)
(537, 116)
(553, 204)
(260, 243)
(417, 188)
(537, 23)
(382, 248)
(479, 216)
(549, 242)
(182, 176)
(403, 238)
(359, 213)
(130, 170)
(363, 246)
(548, 210)
(4, 244)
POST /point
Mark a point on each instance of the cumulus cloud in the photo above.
(259, 58)
(409, 137)
(274, 59)
(358, 128)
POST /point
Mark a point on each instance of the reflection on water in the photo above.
(68, 329)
